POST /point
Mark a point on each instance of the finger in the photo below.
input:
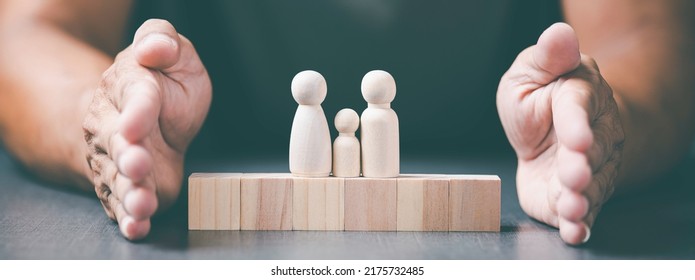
(574, 233)
(101, 135)
(574, 171)
(117, 145)
(139, 199)
(555, 54)
(572, 206)
(141, 105)
(135, 163)
(156, 44)
(107, 147)
(131, 228)
(133, 160)
(131, 172)
(571, 116)
(140, 203)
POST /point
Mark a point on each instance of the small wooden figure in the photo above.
(346, 147)
(310, 139)
(379, 131)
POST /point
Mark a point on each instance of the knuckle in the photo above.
(97, 164)
(105, 196)
(103, 192)
(88, 137)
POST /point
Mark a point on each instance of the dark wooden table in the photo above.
(41, 221)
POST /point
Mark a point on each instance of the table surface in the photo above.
(41, 221)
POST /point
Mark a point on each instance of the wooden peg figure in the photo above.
(310, 139)
(346, 147)
(379, 127)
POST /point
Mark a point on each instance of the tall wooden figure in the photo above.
(310, 139)
(346, 147)
(379, 131)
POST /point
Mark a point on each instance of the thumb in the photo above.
(525, 116)
(156, 44)
(556, 53)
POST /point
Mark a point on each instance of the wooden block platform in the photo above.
(274, 201)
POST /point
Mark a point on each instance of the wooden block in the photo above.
(423, 203)
(214, 201)
(266, 202)
(370, 204)
(418, 202)
(318, 203)
(474, 203)
(228, 201)
(194, 201)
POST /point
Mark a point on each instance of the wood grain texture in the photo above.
(414, 202)
(228, 201)
(379, 129)
(423, 204)
(370, 204)
(214, 201)
(194, 201)
(318, 203)
(474, 203)
(266, 202)
(346, 147)
(207, 202)
(310, 138)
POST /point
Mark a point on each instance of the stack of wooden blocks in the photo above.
(236, 201)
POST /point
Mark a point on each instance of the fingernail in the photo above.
(588, 234)
(159, 37)
(125, 224)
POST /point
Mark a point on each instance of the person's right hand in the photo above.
(148, 107)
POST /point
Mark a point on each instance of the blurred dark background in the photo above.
(447, 58)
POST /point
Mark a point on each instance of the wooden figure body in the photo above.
(346, 147)
(310, 139)
(379, 127)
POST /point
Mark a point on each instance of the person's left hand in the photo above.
(562, 119)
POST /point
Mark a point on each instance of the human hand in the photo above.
(148, 107)
(562, 119)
